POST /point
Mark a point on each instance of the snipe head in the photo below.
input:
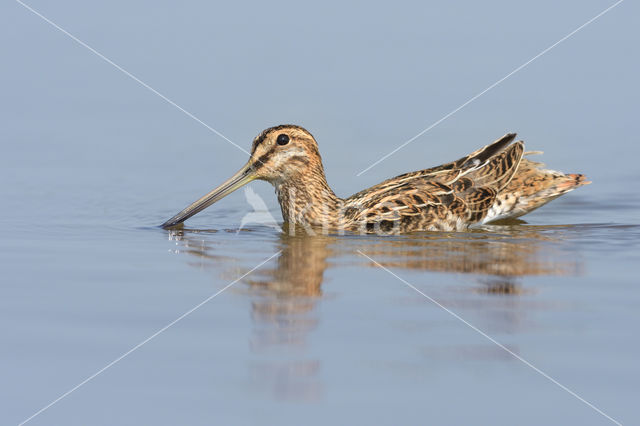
(287, 156)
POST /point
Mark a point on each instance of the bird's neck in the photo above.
(306, 199)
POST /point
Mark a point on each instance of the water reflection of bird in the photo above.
(284, 295)
(492, 183)
(496, 257)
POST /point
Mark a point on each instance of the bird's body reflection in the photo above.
(284, 294)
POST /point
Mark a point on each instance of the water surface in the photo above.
(92, 163)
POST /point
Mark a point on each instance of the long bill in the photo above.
(242, 177)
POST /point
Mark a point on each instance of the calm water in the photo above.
(92, 162)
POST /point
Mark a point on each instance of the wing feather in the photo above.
(441, 197)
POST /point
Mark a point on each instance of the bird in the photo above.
(492, 183)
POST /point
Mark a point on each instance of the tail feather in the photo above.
(530, 188)
(572, 181)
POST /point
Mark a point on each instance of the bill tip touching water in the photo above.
(495, 182)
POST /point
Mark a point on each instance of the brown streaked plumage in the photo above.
(492, 183)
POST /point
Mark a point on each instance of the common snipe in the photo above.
(492, 183)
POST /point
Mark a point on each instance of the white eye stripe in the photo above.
(284, 156)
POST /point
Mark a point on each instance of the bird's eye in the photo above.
(282, 139)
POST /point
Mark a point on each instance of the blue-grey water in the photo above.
(92, 162)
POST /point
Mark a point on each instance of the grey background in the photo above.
(91, 162)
